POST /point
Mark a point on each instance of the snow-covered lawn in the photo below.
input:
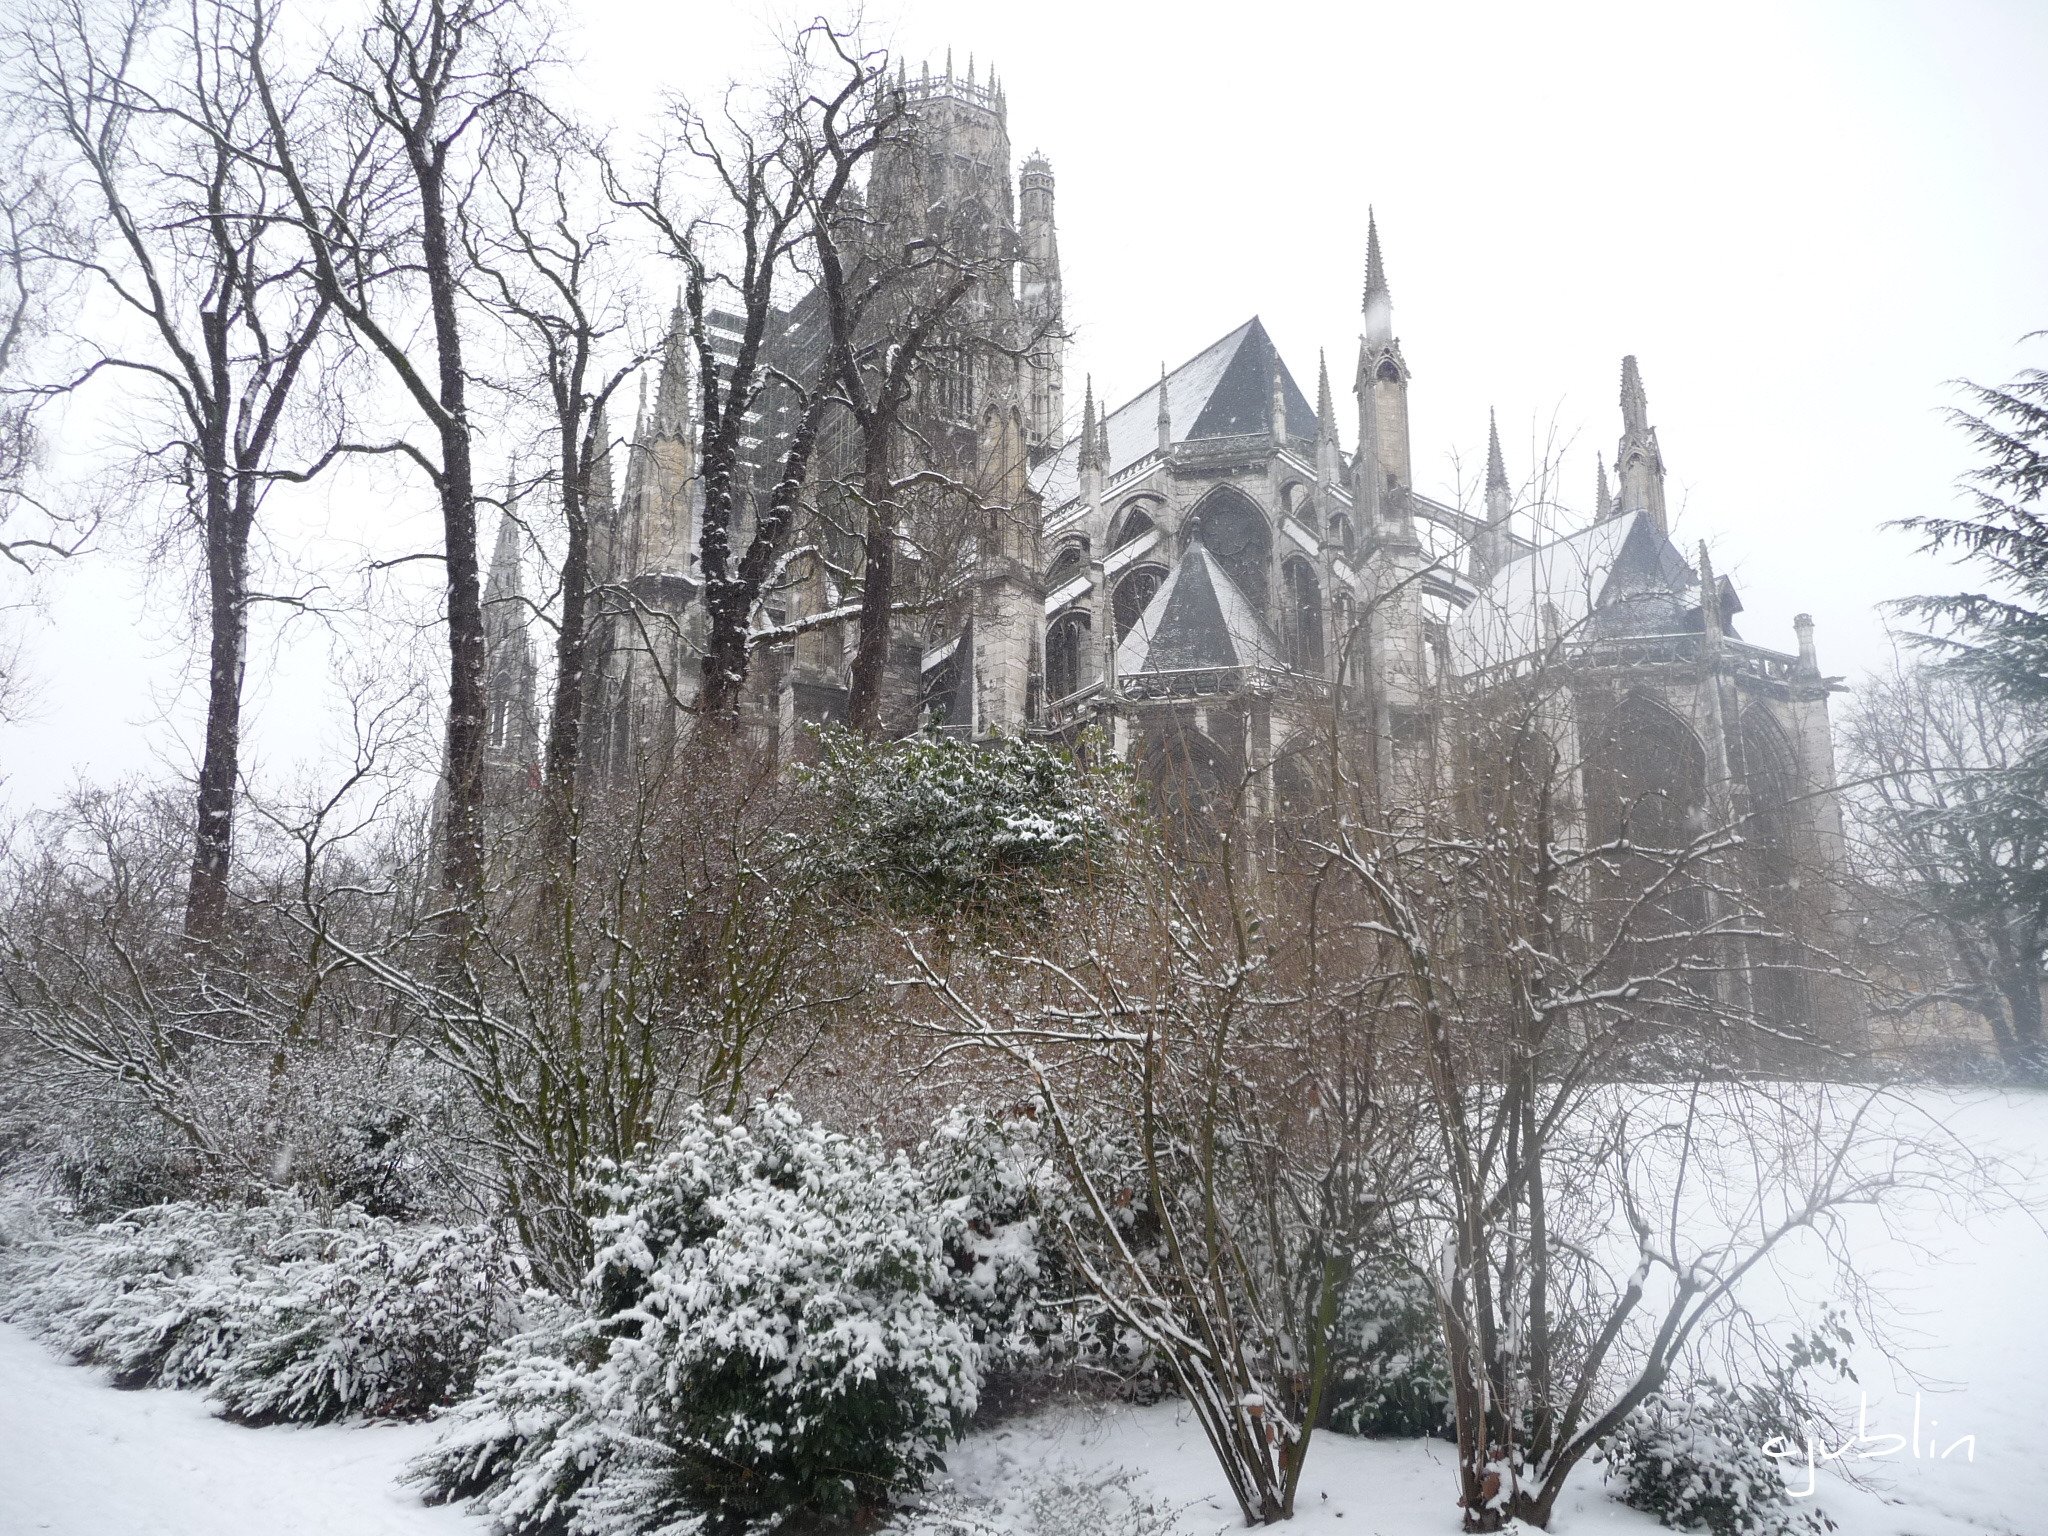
(78, 1458)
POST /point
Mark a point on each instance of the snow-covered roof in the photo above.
(1224, 390)
(1555, 589)
(1198, 620)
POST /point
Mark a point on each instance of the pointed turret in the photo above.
(1093, 459)
(1490, 546)
(657, 517)
(672, 399)
(1710, 597)
(1382, 371)
(1329, 456)
(1638, 461)
(1091, 448)
(1164, 421)
(597, 497)
(511, 741)
(1603, 503)
(1379, 302)
(504, 587)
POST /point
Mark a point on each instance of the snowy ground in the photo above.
(78, 1458)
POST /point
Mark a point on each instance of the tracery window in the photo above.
(1066, 646)
(1235, 533)
(1301, 620)
(1135, 590)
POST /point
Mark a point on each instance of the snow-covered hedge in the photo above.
(1697, 1462)
(280, 1312)
(762, 1334)
(937, 821)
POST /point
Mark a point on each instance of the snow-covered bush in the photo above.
(762, 1334)
(935, 822)
(1055, 1500)
(160, 1296)
(1697, 1462)
(1388, 1375)
(380, 1320)
(282, 1313)
(991, 1186)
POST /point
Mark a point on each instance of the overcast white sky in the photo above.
(1802, 218)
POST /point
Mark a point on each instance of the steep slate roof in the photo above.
(1621, 576)
(1224, 390)
(1196, 621)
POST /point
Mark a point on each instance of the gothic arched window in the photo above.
(1769, 829)
(1340, 530)
(1066, 565)
(1235, 533)
(1135, 590)
(1186, 777)
(1301, 619)
(1066, 646)
(1654, 776)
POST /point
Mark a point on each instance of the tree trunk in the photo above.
(572, 646)
(877, 593)
(227, 580)
(462, 856)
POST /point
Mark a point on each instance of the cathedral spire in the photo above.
(1638, 461)
(1382, 371)
(1603, 503)
(1090, 449)
(597, 496)
(1378, 303)
(1165, 418)
(672, 399)
(1635, 405)
(1490, 545)
(504, 586)
(1329, 457)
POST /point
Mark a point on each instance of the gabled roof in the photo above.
(1224, 390)
(1198, 620)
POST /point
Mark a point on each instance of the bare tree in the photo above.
(1948, 829)
(1573, 931)
(900, 302)
(1212, 1061)
(379, 192)
(773, 184)
(547, 266)
(157, 126)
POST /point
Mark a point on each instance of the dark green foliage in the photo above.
(1387, 1375)
(2003, 644)
(938, 822)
